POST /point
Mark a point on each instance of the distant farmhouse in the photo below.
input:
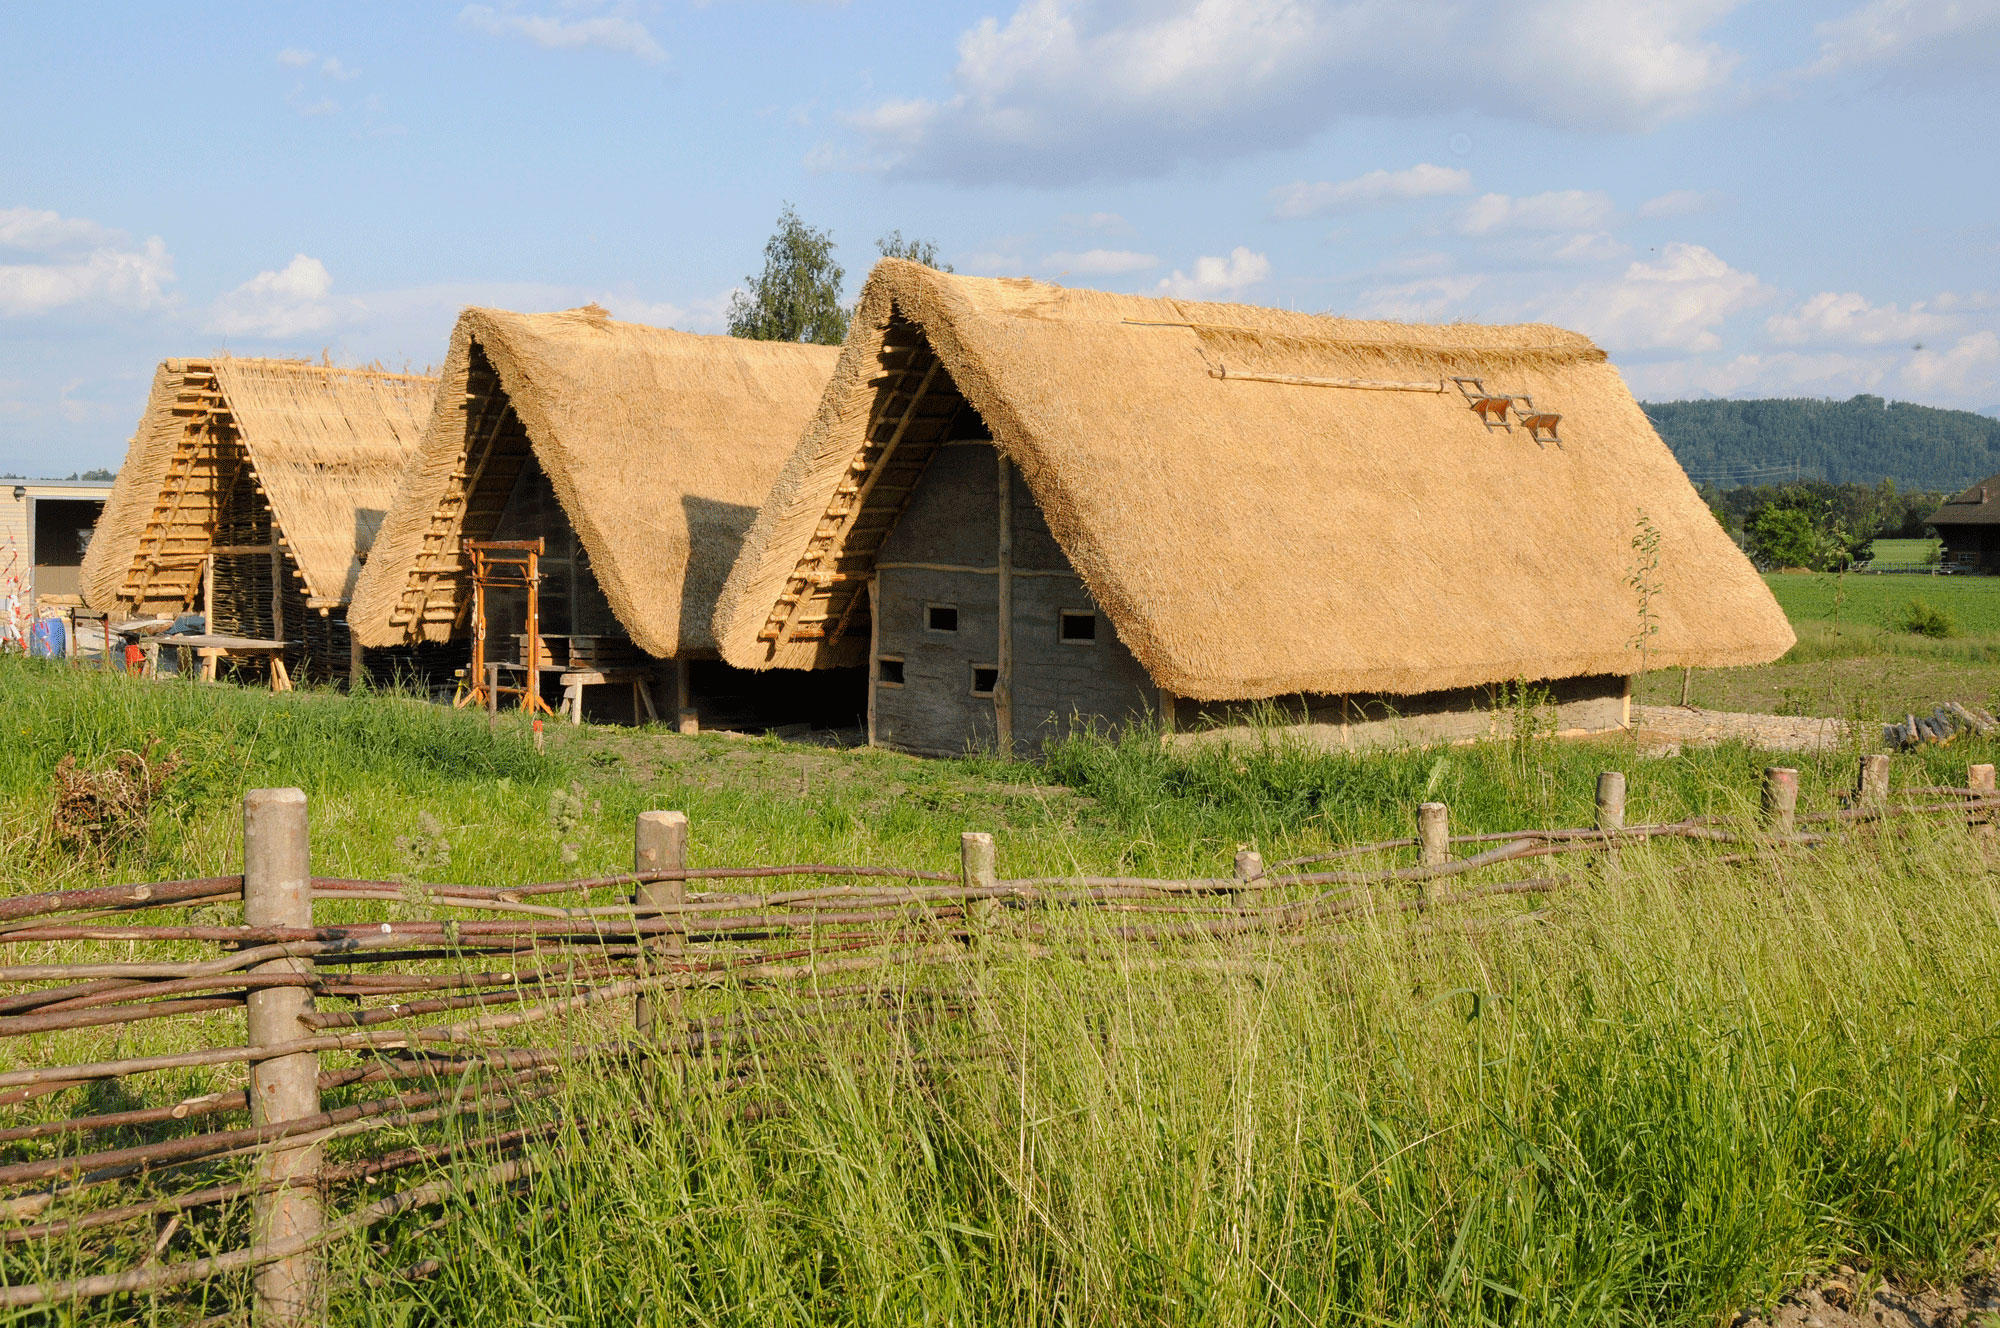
(637, 457)
(251, 492)
(1969, 526)
(1027, 508)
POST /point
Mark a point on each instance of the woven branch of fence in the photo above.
(459, 1022)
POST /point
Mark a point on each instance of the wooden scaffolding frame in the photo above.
(506, 565)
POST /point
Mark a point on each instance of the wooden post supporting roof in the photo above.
(1003, 681)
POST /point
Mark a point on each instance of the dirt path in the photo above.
(1692, 726)
(1833, 1304)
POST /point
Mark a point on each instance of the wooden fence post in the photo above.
(976, 872)
(1871, 782)
(1611, 801)
(277, 892)
(1611, 812)
(1433, 834)
(1249, 865)
(659, 843)
(1979, 778)
(1780, 801)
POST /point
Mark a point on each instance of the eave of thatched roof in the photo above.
(1977, 506)
(1250, 537)
(658, 444)
(327, 446)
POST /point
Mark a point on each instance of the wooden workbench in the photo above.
(209, 648)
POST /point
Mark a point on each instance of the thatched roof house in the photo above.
(651, 447)
(1262, 504)
(268, 475)
(1969, 526)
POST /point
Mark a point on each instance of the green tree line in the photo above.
(1818, 525)
(795, 296)
(1857, 441)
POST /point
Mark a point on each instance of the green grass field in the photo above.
(1902, 552)
(1853, 658)
(1685, 1090)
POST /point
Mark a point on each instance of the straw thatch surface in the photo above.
(325, 445)
(659, 446)
(1253, 539)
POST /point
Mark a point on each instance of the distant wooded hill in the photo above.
(1858, 441)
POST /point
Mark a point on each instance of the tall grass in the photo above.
(1680, 1091)
(1680, 1095)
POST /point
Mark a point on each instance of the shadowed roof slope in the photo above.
(1252, 529)
(326, 446)
(658, 444)
(1976, 506)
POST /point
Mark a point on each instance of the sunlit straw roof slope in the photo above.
(1266, 502)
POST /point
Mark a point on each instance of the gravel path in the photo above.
(1692, 726)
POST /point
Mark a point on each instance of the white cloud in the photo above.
(333, 69)
(1100, 262)
(705, 314)
(604, 32)
(1674, 304)
(279, 305)
(1849, 319)
(1370, 190)
(1557, 210)
(292, 57)
(1912, 35)
(1785, 373)
(1426, 300)
(1582, 248)
(74, 262)
(1214, 277)
(1968, 371)
(1111, 223)
(41, 231)
(1063, 90)
(1677, 203)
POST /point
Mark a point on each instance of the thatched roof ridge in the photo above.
(327, 445)
(1256, 537)
(659, 445)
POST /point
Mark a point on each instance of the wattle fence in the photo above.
(465, 1017)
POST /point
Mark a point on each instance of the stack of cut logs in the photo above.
(1940, 726)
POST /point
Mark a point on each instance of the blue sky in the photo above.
(1733, 198)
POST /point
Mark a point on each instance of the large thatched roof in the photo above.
(658, 444)
(324, 445)
(1251, 528)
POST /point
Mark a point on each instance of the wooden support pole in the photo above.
(1003, 679)
(1249, 865)
(1611, 800)
(1611, 811)
(277, 892)
(1979, 778)
(1433, 834)
(1780, 801)
(660, 843)
(976, 872)
(1871, 782)
(686, 718)
(874, 653)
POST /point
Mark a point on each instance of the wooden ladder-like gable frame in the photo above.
(826, 594)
